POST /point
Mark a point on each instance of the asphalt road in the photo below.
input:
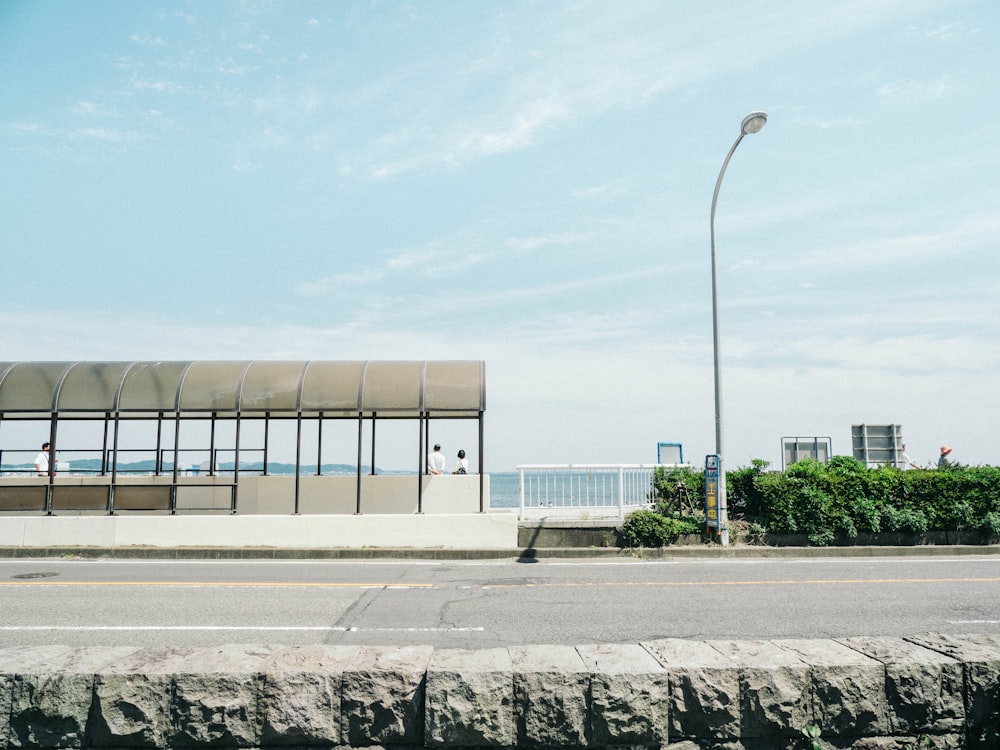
(480, 604)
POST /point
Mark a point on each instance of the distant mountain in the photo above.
(93, 465)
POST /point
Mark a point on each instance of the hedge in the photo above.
(841, 498)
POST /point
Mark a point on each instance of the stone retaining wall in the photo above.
(861, 692)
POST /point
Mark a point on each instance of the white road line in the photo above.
(973, 622)
(213, 628)
(699, 562)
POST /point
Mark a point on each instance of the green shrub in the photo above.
(991, 525)
(677, 489)
(867, 515)
(742, 497)
(905, 520)
(647, 528)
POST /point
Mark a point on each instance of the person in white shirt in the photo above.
(462, 465)
(907, 461)
(435, 462)
(42, 461)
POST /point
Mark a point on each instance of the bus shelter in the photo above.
(170, 395)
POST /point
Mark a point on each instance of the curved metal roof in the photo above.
(245, 388)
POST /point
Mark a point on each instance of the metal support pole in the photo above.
(425, 427)
(267, 425)
(361, 425)
(482, 479)
(319, 445)
(298, 456)
(752, 123)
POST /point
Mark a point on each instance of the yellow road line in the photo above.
(225, 584)
(788, 582)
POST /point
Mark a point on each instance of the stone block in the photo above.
(300, 698)
(704, 689)
(980, 655)
(6, 691)
(382, 697)
(629, 696)
(216, 692)
(132, 699)
(898, 742)
(923, 688)
(52, 690)
(551, 689)
(848, 688)
(775, 688)
(470, 699)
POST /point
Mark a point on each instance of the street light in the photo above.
(752, 123)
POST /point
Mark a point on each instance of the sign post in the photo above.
(715, 503)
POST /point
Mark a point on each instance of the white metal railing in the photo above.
(577, 491)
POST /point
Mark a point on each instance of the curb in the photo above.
(529, 554)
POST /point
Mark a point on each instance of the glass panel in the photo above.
(332, 387)
(392, 387)
(454, 386)
(91, 386)
(211, 386)
(271, 386)
(151, 386)
(30, 386)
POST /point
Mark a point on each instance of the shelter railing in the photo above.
(578, 491)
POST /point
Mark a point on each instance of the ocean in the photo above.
(505, 490)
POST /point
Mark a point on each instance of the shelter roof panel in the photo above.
(455, 386)
(272, 386)
(151, 386)
(31, 386)
(332, 386)
(212, 386)
(91, 386)
(393, 387)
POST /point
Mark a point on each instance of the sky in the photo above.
(526, 183)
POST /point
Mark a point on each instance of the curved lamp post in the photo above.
(752, 123)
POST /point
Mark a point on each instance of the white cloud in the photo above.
(233, 68)
(410, 259)
(341, 281)
(949, 32)
(840, 122)
(24, 128)
(605, 190)
(169, 87)
(572, 79)
(911, 92)
(93, 109)
(148, 40)
(103, 134)
(532, 244)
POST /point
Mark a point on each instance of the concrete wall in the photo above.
(860, 692)
(388, 493)
(449, 531)
(271, 495)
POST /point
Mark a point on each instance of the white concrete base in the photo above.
(430, 531)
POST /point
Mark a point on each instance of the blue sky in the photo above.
(526, 183)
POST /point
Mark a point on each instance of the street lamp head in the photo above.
(754, 122)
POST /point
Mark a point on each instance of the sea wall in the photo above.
(859, 692)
